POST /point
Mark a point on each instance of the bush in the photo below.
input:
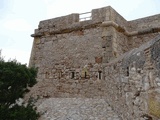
(15, 78)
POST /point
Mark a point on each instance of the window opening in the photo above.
(99, 75)
(127, 71)
(59, 74)
(85, 74)
(47, 75)
(72, 75)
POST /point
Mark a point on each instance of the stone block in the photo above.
(37, 40)
(154, 104)
(98, 59)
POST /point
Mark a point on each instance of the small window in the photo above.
(47, 75)
(85, 75)
(72, 75)
(99, 75)
(59, 74)
(127, 71)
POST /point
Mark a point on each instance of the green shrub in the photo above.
(14, 80)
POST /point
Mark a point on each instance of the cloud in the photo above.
(17, 25)
(20, 55)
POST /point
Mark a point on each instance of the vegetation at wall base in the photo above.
(15, 79)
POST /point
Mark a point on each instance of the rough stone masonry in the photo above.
(106, 58)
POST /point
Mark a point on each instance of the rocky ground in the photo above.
(76, 109)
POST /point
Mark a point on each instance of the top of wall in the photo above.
(97, 15)
(136, 51)
(72, 22)
(142, 23)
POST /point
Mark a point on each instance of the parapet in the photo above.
(97, 15)
(72, 22)
(144, 23)
(104, 17)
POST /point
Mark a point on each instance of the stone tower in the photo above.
(76, 57)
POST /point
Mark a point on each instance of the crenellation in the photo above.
(60, 22)
(101, 14)
(105, 57)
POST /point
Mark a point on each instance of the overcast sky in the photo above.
(19, 18)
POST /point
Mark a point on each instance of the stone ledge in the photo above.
(122, 29)
(90, 24)
(75, 27)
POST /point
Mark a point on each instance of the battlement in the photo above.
(105, 16)
(73, 21)
(97, 15)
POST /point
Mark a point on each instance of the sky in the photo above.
(19, 18)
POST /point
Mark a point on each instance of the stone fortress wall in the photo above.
(106, 57)
(133, 82)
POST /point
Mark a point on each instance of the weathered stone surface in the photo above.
(106, 57)
(137, 90)
(76, 109)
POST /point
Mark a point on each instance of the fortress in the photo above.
(102, 57)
